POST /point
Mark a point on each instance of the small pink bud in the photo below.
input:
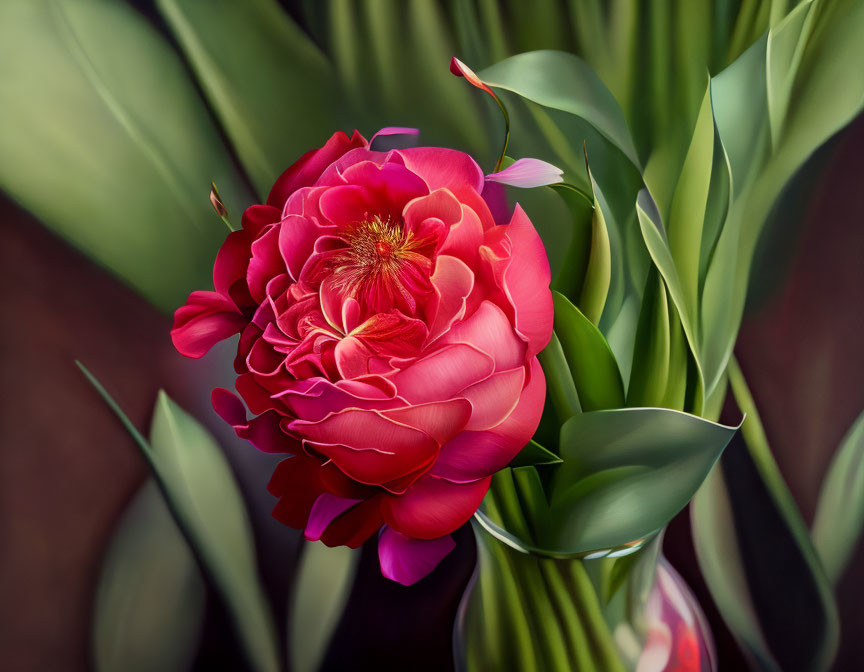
(528, 173)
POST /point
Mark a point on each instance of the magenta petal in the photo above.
(395, 130)
(205, 319)
(528, 173)
(324, 511)
(407, 560)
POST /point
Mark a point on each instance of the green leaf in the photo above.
(658, 247)
(592, 364)
(533, 453)
(595, 287)
(758, 558)
(122, 166)
(264, 77)
(560, 387)
(571, 275)
(650, 371)
(840, 513)
(202, 494)
(321, 589)
(626, 473)
(687, 212)
(149, 606)
(564, 82)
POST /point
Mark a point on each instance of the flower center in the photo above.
(383, 265)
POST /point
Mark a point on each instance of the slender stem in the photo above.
(577, 639)
(506, 134)
(592, 615)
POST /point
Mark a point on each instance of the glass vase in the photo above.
(529, 613)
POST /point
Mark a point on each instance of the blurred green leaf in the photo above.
(840, 513)
(592, 364)
(564, 82)
(533, 453)
(106, 140)
(203, 496)
(758, 558)
(149, 605)
(650, 371)
(652, 461)
(322, 586)
(270, 86)
(720, 561)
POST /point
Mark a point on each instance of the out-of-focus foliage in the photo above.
(201, 491)
(105, 138)
(150, 601)
(840, 515)
(321, 589)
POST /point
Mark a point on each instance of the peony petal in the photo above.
(297, 484)
(441, 420)
(262, 431)
(443, 373)
(433, 507)
(464, 238)
(489, 330)
(256, 217)
(265, 264)
(452, 283)
(392, 183)
(406, 560)
(231, 262)
(521, 424)
(325, 509)
(528, 173)
(205, 319)
(473, 455)
(355, 526)
(493, 399)
(309, 167)
(444, 168)
(297, 236)
(526, 283)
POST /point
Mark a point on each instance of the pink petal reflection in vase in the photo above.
(678, 638)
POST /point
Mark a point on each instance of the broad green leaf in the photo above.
(785, 583)
(122, 166)
(785, 47)
(740, 106)
(676, 384)
(560, 387)
(651, 463)
(533, 453)
(687, 212)
(149, 605)
(571, 275)
(595, 286)
(202, 494)
(592, 364)
(270, 86)
(840, 513)
(564, 82)
(658, 248)
(322, 586)
(650, 371)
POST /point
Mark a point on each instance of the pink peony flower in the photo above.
(389, 328)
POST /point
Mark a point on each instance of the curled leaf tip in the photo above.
(528, 173)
